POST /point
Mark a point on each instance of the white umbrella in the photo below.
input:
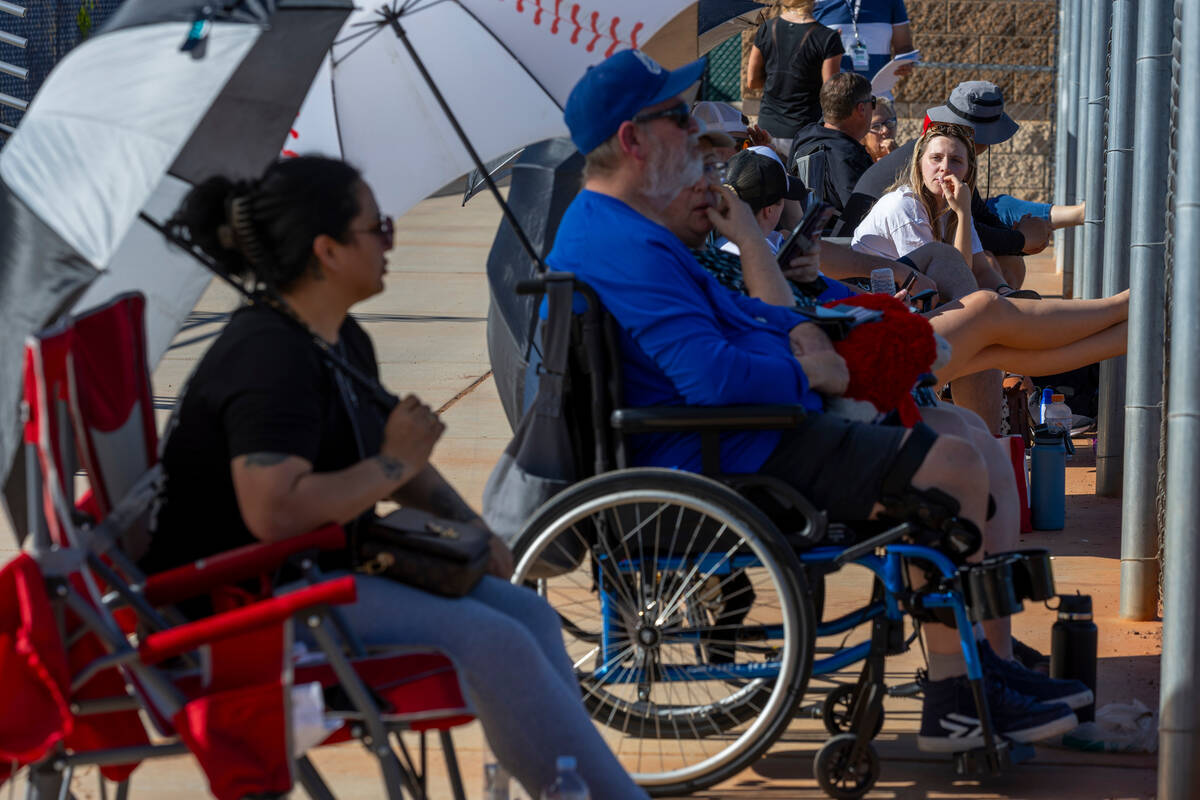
(503, 67)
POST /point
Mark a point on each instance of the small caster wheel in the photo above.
(837, 708)
(838, 776)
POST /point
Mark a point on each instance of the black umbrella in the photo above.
(545, 178)
(169, 93)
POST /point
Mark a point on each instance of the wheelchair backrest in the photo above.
(593, 386)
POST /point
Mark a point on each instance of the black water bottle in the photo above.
(1073, 646)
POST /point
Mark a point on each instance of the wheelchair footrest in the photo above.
(910, 689)
(990, 761)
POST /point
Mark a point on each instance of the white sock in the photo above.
(946, 665)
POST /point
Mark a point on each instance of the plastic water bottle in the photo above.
(1058, 416)
(568, 785)
(1048, 480)
(883, 281)
(1073, 646)
(1047, 398)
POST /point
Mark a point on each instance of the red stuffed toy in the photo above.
(885, 358)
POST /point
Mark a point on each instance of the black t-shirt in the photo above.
(263, 387)
(793, 53)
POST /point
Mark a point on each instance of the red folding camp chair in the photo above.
(88, 391)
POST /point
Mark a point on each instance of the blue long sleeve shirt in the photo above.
(685, 339)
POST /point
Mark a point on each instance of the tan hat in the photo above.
(715, 137)
(720, 116)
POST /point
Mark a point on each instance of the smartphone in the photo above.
(816, 217)
(912, 276)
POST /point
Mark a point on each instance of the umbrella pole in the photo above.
(393, 19)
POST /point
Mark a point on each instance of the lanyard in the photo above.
(854, 9)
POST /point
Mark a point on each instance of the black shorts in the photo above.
(838, 464)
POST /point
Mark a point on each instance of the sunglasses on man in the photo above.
(679, 114)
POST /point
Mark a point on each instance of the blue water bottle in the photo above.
(1048, 480)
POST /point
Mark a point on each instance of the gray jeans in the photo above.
(506, 643)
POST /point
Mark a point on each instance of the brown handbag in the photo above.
(437, 555)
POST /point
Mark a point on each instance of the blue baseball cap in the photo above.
(616, 89)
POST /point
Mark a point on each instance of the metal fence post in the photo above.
(1147, 254)
(1086, 17)
(1066, 133)
(1115, 275)
(1097, 78)
(1179, 726)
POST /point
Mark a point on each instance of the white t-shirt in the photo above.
(897, 224)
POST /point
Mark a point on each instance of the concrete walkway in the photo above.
(428, 329)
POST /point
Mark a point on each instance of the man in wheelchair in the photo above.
(686, 340)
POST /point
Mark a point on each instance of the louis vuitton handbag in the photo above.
(437, 555)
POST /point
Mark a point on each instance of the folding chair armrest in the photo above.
(176, 641)
(678, 419)
(234, 566)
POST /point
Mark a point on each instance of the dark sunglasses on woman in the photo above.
(384, 228)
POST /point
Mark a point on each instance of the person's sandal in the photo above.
(1004, 290)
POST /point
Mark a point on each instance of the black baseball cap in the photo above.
(760, 180)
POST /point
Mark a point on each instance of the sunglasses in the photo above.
(384, 228)
(679, 114)
(872, 100)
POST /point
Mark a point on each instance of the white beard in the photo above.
(670, 172)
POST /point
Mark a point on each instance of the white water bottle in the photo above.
(883, 281)
(568, 785)
(1058, 415)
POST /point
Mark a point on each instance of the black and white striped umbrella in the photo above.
(169, 93)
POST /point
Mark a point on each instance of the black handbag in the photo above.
(430, 553)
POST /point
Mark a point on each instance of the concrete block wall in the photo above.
(998, 33)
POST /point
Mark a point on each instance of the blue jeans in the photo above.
(1010, 210)
(506, 643)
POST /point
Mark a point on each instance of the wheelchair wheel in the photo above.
(840, 775)
(837, 708)
(686, 616)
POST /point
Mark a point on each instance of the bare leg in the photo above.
(987, 270)
(983, 319)
(980, 392)
(1013, 270)
(1065, 216)
(1002, 531)
(1108, 343)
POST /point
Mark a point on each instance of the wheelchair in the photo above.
(691, 603)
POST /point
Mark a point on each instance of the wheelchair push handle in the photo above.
(538, 285)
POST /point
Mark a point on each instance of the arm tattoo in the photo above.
(264, 459)
(393, 468)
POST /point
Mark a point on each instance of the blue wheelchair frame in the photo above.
(889, 569)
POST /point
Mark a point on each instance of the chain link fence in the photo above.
(51, 28)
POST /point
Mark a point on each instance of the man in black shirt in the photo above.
(846, 105)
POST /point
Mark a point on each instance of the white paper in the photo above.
(885, 80)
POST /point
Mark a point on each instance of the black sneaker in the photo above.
(950, 722)
(1030, 658)
(1033, 684)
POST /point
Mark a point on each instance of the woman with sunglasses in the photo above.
(881, 136)
(270, 441)
(931, 203)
